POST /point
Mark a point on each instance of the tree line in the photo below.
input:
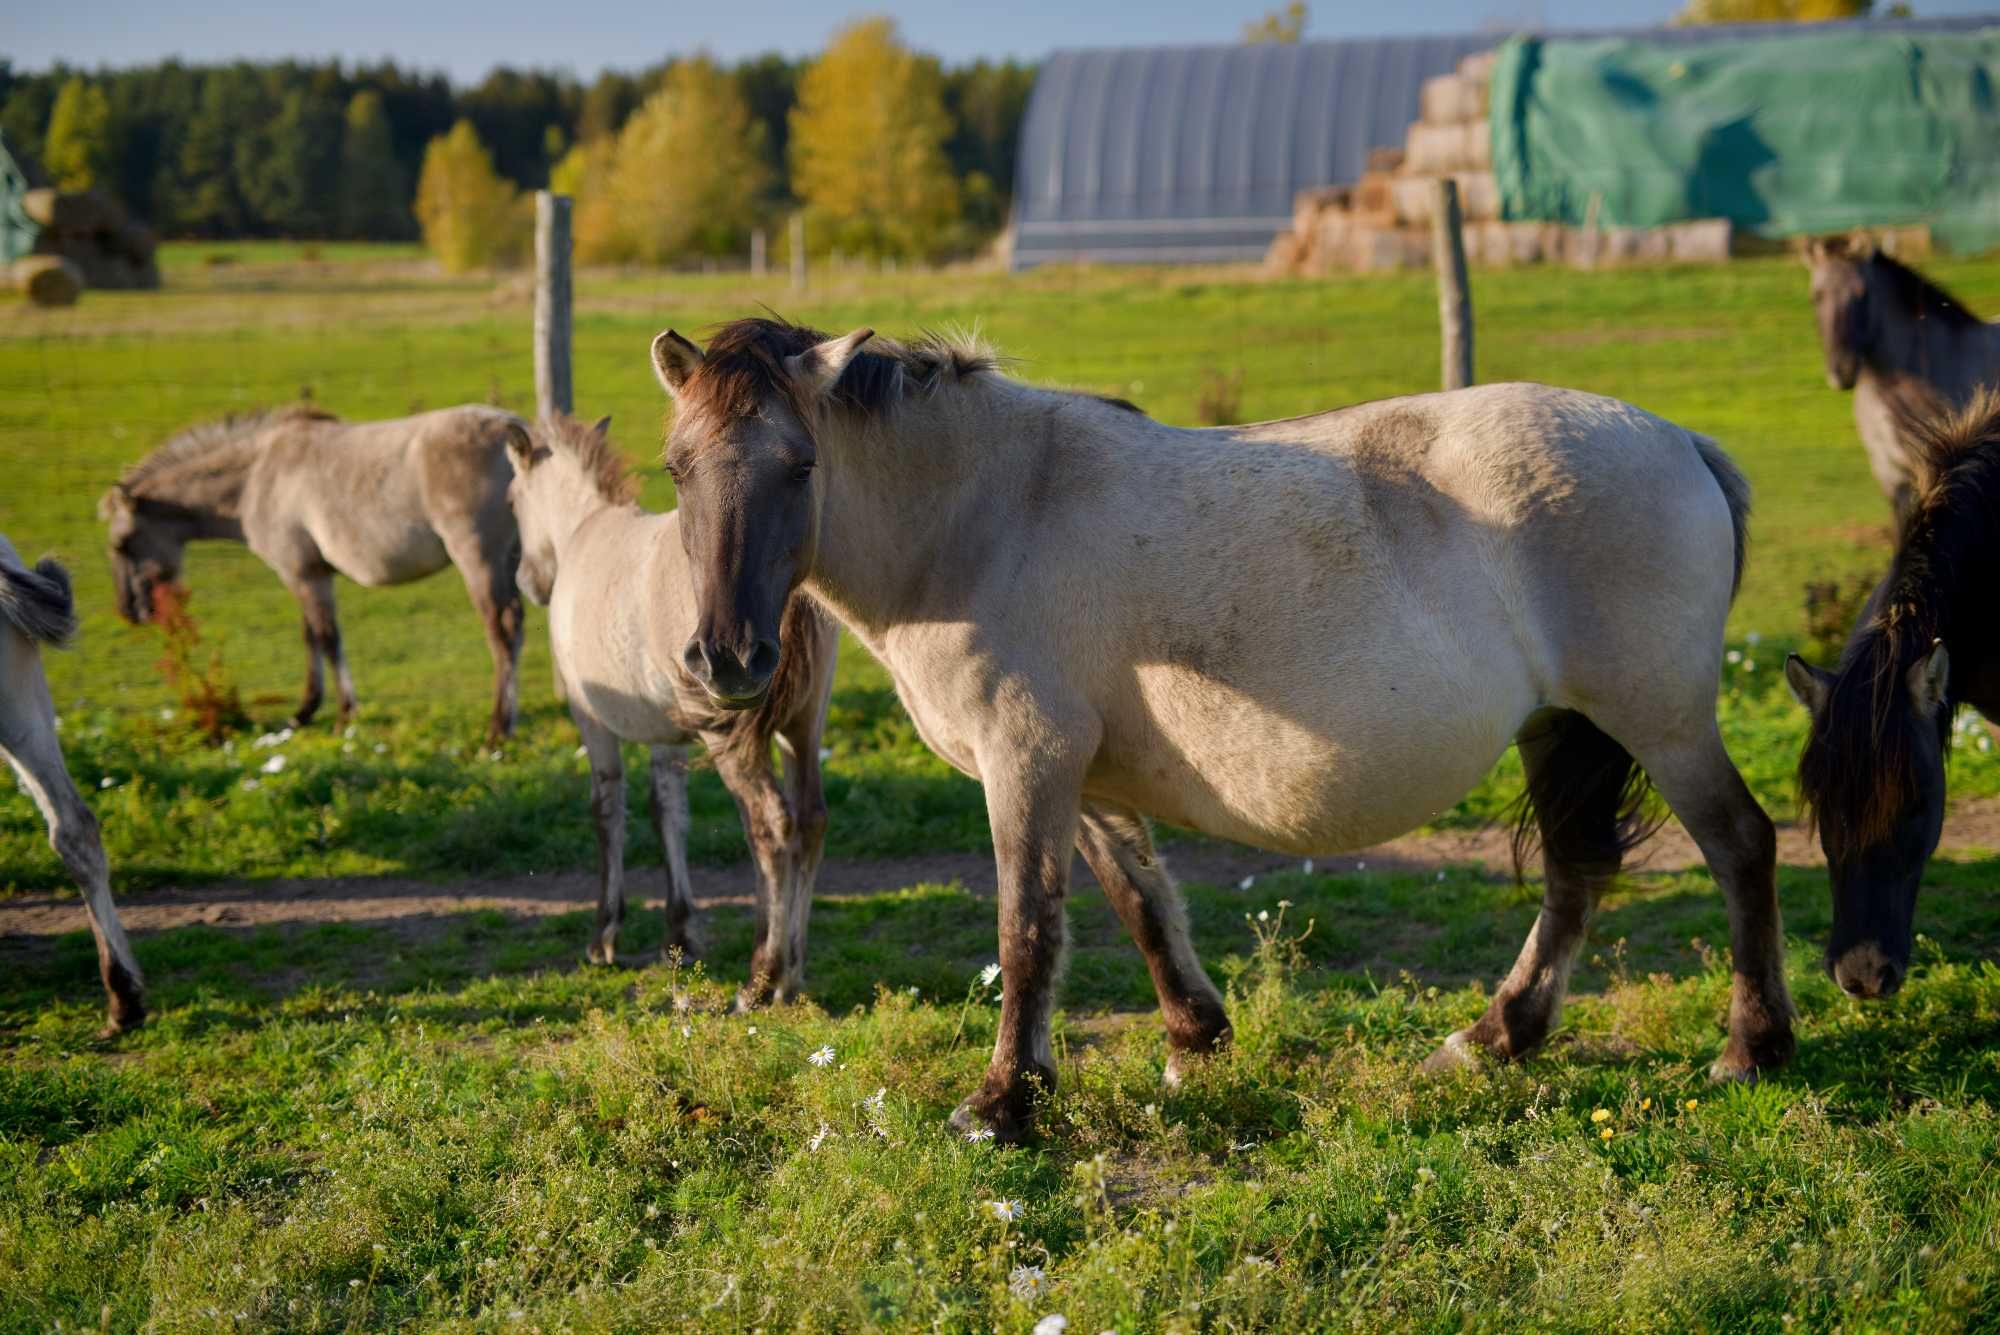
(887, 150)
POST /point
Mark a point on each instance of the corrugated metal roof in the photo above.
(1194, 153)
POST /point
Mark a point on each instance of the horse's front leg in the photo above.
(1034, 813)
(777, 972)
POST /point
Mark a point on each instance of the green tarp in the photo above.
(1782, 136)
(17, 231)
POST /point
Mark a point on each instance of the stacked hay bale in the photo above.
(93, 232)
(1383, 221)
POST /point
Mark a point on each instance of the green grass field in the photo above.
(356, 1126)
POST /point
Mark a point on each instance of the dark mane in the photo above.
(1858, 769)
(205, 438)
(745, 363)
(593, 452)
(1919, 295)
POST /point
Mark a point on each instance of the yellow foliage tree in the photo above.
(685, 176)
(867, 145)
(1285, 25)
(77, 151)
(471, 216)
(1771, 11)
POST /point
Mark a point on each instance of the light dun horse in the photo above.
(36, 608)
(1882, 323)
(379, 502)
(1873, 768)
(615, 580)
(1309, 634)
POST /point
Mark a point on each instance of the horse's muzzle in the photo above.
(1866, 972)
(732, 681)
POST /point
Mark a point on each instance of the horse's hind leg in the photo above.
(1703, 787)
(669, 802)
(1119, 848)
(1577, 783)
(29, 738)
(322, 636)
(489, 582)
(607, 811)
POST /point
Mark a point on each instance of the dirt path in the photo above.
(1973, 827)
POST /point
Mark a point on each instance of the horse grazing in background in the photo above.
(36, 609)
(1873, 770)
(1881, 324)
(1310, 635)
(616, 584)
(379, 502)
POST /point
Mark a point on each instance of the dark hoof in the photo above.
(1746, 1061)
(995, 1122)
(604, 954)
(123, 1020)
(1460, 1052)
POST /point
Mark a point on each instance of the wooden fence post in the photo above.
(1454, 295)
(798, 252)
(757, 252)
(554, 389)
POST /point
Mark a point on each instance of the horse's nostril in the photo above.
(1889, 980)
(764, 659)
(696, 660)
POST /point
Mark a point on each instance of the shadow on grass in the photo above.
(1365, 932)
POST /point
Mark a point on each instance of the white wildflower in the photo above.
(1263, 915)
(988, 974)
(875, 1100)
(1027, 1282)
(1246, 883)
(1005, 1211)
(271, 739)
(821, 1056)
(1307, 866)
(1734, 656)
(820, 1136)
(107, 782)
(381, 748)
(275, 764)
(1055, 1323)
(251, 785)
(979, 1133)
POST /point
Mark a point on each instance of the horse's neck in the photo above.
(911, 498)
(576, 500)
(1955, 359)
(205, 494)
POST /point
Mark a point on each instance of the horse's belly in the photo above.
(1350, 767)
(383, 554)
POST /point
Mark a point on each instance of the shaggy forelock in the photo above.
(593, 453)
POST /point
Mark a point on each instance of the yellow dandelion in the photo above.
(1692, 1104)
(1601, 1115)
(1645, 1104)
(1606, 1134)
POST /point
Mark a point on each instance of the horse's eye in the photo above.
(802, 472)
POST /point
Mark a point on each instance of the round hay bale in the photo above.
(135, 241)
(48, 280)
(72, 213)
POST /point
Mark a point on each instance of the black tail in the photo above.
(38, 602)
(1587, 803)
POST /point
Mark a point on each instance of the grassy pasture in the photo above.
(357, 1126)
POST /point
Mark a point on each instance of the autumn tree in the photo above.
(1280, 25)
(1770, 11)
(868, 145)
(469, 214)
(76, 153)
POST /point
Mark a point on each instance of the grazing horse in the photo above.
(36, 608)
(1309, 635)
(1872, 773)
(1881, 323)
(379, 502)
(615, 581)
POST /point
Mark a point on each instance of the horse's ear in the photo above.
(1809, 684)
(1861, 246)
(674, 360)
(819, 367)
(117, 501)
(603, 428)
(1928, 678)
(520, 447)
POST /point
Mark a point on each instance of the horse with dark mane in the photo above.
(1873, 771)
(1885, 327)
(1310, 635)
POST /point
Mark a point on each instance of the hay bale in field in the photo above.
(1434, 150)
(1478, 67)
(1449, 99)
(73, 213)
(47, 280)
(1389, 159)
(1703, 241)
(1415, 196)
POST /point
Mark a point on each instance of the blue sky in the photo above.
(584, 36)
